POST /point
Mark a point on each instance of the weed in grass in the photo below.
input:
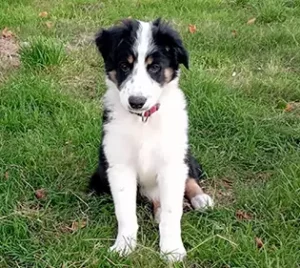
(42, 53)
(272, 11)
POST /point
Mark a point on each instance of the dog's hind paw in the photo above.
(202, 201)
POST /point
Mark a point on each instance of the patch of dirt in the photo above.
(80, 41)
(28, 210)
(220, 189)
(9, 57)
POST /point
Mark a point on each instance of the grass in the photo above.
(42, 53)
(241, 78)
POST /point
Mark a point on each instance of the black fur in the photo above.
(168, 51)
(195, 168)
(168, 40)
(99, 181)
(115, 45)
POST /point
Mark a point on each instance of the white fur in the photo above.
(150, 154)
(202, 201)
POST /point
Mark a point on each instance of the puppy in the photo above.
(145, 132)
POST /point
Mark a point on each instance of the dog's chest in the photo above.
(148, 146)
(149, 151)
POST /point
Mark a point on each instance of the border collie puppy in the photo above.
(145, 132)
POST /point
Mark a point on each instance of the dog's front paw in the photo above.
(202, 201)
(173, 252)
(124, 245)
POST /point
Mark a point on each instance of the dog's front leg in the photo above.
(123, 184)
(171, 182)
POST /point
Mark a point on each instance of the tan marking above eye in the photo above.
(149, 60)
(130, 59)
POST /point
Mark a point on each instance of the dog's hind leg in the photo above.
(193, 191)
(196, 196)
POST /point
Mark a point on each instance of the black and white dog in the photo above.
(145, 132)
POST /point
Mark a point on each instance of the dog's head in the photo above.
(141, 58)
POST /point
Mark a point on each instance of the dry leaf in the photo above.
(6, 33)
(129, 17)
(40, 194)
(49, 24)
(259, 242)
(43, 14)
(77, 225)
(6, 175)
(242, 215)
(192, 28)
(288, 107)
(251, 21)
(234, 33)
(227, 182)
(291, 106)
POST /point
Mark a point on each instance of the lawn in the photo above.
(243, 91)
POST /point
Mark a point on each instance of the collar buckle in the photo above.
(144, 118)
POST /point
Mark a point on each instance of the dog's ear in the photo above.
(107, 40)
(166, 36)
(103, 43)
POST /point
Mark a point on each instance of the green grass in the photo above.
(237, 87)
(42, 53)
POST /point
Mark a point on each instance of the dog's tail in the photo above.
(98, 182)
(195, 168)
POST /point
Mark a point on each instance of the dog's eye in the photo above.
(124, 67)
(154, 68)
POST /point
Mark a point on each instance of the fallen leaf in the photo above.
(192, 28)
(129, 17)
(77, 225)
(49, 24)
(227, 182)
(6, 175)
(6, 33)
(291, 106)
(251, 21)
(234, 33)
(242, 215)
(40, 194)
(259, 242)
(288, 107)
(43, 14)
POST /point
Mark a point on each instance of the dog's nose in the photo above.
(137, 102)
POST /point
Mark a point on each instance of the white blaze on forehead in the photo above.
(140, 83)
(144, 40)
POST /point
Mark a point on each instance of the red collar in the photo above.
(145, 115)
